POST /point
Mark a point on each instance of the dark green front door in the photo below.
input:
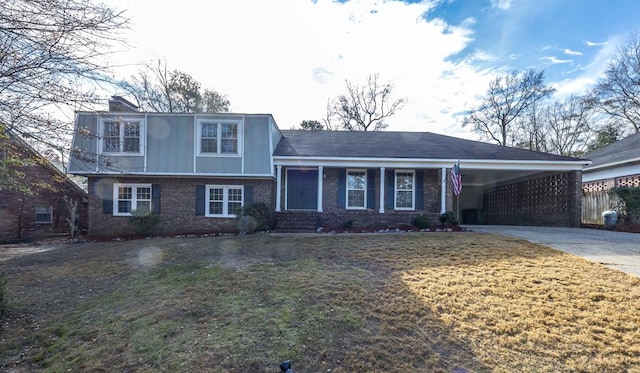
(302, 189)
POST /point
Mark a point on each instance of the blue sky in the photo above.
(288, 57)
(561, 36)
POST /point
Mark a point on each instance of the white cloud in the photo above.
(288, 57)
(589, 74)
(594, 44)
(554, 60)
(501, 4)
(572, 53)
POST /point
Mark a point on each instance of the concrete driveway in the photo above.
(614, 249)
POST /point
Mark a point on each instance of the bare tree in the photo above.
(156, 88)
(508, 97)
(618, 93)
(364, 107)
(530, 132)
(569, 124)
(52, 54)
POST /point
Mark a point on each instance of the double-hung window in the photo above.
(223, 200)
(218, 137)
(404, 191)
(122, 136)
(44, 213)
(131, 197)
(356, 189)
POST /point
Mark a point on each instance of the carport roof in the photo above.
(409, 145)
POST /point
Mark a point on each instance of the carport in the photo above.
(520, 192)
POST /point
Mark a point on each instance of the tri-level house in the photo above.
(196, 170)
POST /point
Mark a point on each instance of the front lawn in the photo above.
(408, 302)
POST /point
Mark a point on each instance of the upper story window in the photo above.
(218, 137)
(130, 197)
(404, 191)
(122, 136)
(356, 189)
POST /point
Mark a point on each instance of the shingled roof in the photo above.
(620, 151)
(384, 144)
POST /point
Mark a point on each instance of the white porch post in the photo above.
(443, 188)
(320, 177)
(381, 190)
(278, 187)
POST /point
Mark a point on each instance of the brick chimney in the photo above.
(120, 104)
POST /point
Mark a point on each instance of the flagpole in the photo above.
(458, 196)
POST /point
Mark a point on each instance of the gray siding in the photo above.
(276, 135)
(256, 146)
(218, 165)
(84, 144)
(170, 144)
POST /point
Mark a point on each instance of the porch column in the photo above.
(381, 190)
(443, 190)
(278, 187)
(320, 177)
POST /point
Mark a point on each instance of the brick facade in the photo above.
(177, 205)
(551, 200)
(554, 200)
(606, 184)
(47, 187)
(335, 216)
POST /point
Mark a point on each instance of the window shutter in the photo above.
(155, 199)
(248, 194)
(342, 188)
(200, 200)
(390, 189)
(371, 188)
(107, 199)
(419, 190)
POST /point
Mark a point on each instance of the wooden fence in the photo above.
(594, 203)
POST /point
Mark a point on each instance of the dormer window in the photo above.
(218, 137)
(122, 136)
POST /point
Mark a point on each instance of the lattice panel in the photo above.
(628, 181)
(597, 186)
(531, 199)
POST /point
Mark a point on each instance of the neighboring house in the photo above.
(196, 170)
(615, 165)
(35, 207)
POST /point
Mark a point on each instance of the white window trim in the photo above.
(143, 131)
(346, 187)
(50, 208)
(134, 199)
(218, 122)
(225, 200)
(395, 190)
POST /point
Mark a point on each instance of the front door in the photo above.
(302, 189)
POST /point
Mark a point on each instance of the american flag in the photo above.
(456, 179)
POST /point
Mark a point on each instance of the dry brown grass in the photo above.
(349, 303)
